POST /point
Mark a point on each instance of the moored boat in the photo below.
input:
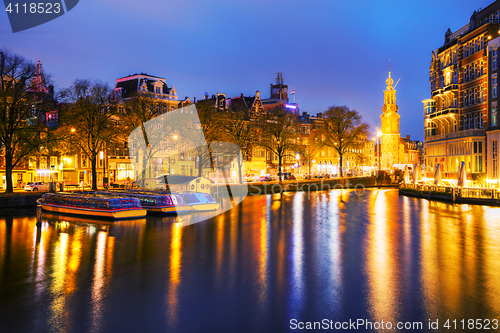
(95, 205)
(199, 201)
(157, 202)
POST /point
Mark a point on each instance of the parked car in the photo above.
(265, 178)
(37, 186)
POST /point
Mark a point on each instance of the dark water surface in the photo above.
(324, 255)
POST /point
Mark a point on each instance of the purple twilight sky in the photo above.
(331, 52)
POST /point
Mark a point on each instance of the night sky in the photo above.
(331, 52)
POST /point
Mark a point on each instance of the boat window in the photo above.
(102, 204)
(115, 204)
(92, 204)
(180, 200)
(167, 201)
(137, 202)
(127, 203)
(209, 197)
(190, 198)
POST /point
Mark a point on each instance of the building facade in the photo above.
(460, 117)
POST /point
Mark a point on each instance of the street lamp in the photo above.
(101, 155)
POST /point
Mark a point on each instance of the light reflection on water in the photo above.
(308, 256)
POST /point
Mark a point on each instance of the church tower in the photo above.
(390, 127)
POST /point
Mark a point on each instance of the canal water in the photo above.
(271, 264)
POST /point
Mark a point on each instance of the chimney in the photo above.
(194, 99)
(408, 137)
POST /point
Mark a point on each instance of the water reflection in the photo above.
(59, 267)
(382, 259)
(175, 274)
(308, 256)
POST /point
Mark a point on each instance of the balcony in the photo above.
(456, 135)
(442, 90)
(444, 112)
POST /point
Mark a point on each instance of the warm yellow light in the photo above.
(379, 133)
(101, 155)
(175, 136)
(489, 37)
(72, 130)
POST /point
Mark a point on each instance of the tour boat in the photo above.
(156, 202)
(199, 201)
(91, 204)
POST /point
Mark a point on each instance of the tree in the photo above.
(22, 124)
(240, 130)
(343, 130)
(209, 130)
(278, 133)
(85, 121)
(311, 150)
(150, 134)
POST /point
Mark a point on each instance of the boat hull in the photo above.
(113, 214)
(169, 210)
(205, 206)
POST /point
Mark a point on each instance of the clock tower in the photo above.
(390, 127)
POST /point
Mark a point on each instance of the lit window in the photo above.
(494, 54)
(494, 116)
(494, 88)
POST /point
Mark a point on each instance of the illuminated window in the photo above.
(53, 162)
(494, 87)
(43, 162)
(481, 95)
(494, 54)
(494, 116)
(481, 120)
(32, 162)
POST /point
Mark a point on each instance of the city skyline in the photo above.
(330, 53)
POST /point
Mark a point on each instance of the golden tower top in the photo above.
(389, 82)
